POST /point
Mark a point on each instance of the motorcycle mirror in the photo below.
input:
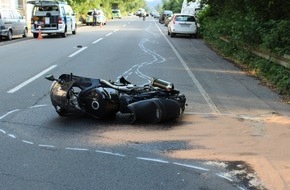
(50, 77)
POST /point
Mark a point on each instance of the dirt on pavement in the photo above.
(260, 141)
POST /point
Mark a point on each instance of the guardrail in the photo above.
(282, 60)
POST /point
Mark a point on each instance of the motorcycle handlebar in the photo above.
(121, 88)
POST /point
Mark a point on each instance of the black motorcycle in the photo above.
(154, 102)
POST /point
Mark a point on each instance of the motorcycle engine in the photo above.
(99, 102)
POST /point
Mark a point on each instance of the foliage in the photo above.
(173, 5)
(237, 21)
(82, 6)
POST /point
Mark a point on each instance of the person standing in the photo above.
(95, 17)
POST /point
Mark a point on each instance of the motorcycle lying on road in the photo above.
(154, 102)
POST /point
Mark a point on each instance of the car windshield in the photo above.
(115, 11)
(46, 8)
(184, 18)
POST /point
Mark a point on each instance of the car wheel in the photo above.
(35, 35)
(75, 31)
(168, 33)
(172, 34)
(9, 35)
(25, 33)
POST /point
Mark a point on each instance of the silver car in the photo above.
(184, 24)
(12, 23)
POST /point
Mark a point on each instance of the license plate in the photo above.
(47, 20)
(184, 25)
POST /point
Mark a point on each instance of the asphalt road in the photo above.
(40, 150)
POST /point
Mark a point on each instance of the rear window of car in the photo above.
(185, 18)
(116, 11)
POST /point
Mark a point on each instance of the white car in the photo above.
(52, 17)
(101, 17)
(184, 24)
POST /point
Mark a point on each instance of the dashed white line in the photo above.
(116, 30)
(109, 34)
(111, 153)
(191, 166)
(97, 40)
(11, 135)
(2, 131)
(77, 52)
(153, 160)
(27, 142)
(31, 79)
(81, 149)
(46, 145)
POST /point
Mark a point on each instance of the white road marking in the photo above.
(98, 40)
(46, 145)
(222, 176)
(111, 153)
(8, 113)
(191, 166)
(27, 142)
(2, 131)
(192, 76)
(37, 106)
(81, 149)
(109, 34)
(116, 30)
(153, 160)
(31, 79)
(77, 52)
(11, 135)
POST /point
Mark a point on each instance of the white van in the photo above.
(12, 24)
(52, 17)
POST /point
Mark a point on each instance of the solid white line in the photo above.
(192, 76)
(191, 166)
(153, 160)
(109, 34)
(111, 153)
(80, 50)
(31, 79)
(97, 40)
(8, 113)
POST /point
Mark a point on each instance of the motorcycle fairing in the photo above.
(60, 89)
(155, 110)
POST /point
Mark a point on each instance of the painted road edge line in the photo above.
(192, 76)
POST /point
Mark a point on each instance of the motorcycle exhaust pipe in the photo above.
(168, 86)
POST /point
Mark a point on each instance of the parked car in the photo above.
(101, 17)
(163, 15)
(52, 17)
(12, 24)
(116, 13)
(184, 24)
